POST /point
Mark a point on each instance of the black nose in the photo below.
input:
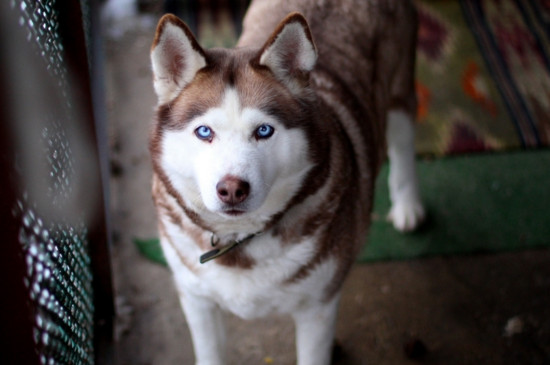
(232, 190)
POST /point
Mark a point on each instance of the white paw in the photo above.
(407, 214)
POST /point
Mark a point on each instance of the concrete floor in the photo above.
(491, 309)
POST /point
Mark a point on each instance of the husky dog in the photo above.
(265, 158)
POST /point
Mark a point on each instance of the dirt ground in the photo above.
(485, 309)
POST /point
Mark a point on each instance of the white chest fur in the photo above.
(251, 292)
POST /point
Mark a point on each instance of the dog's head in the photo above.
(233, 132)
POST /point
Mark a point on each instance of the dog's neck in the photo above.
(223, 249)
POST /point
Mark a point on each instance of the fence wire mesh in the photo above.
(55, 246)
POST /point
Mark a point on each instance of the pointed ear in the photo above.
(290, 52)
(176, 57)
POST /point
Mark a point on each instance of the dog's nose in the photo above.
(232, 190)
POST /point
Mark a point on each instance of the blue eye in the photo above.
(264, 131)
(205, 133)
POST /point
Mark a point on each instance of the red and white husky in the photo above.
(265, 157)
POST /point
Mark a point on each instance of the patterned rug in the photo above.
(483, 69)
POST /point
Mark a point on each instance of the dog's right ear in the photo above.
(176, 57)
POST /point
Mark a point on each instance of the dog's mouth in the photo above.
(233, 212)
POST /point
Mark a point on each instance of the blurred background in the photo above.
(86, 282)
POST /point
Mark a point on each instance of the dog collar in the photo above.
(217, 252)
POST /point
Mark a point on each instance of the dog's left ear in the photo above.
(290, 52)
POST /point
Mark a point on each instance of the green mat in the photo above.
(478, 203)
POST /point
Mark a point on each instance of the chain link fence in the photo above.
(55, 264)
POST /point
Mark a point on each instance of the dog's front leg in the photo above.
(205, 322)
(315, 332)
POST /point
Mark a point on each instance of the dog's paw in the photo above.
(407, 214)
